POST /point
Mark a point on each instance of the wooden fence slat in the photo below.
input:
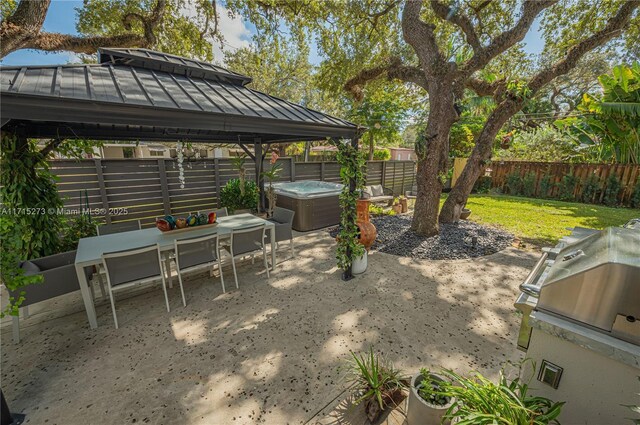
(627, 175)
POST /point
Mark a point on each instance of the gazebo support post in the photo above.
(348, 273)
(258, 159)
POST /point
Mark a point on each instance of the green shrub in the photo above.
(546, 186)
(25, 183)
(514, 183)
(590, 189)
(479, 401)
(635, 195)
(529, 184)
(232, 198)
(462, 135)
(483, 185)
(546, 144)
(77, 228)
(567, 188)
(382, 154)
(611, 191)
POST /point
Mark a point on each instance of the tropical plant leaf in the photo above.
(622, 108)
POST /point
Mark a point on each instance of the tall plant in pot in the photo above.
(238, 164)
(376, 382)
(428, 401)
(271, 176)
(350, 252)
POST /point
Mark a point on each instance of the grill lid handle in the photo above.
(527, 286)
(573, 254)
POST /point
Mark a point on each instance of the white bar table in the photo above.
(90, 250)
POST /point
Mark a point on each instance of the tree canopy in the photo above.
(453, 58)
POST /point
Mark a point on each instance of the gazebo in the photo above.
(139, 94)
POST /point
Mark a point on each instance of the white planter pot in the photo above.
(419, 412)
(359, 265)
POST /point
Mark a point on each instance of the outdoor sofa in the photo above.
(59, 278)
(378, 194)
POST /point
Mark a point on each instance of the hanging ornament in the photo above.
(180, 167)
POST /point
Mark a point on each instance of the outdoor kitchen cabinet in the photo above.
(581, 324)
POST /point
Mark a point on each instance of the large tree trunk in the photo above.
(433, 159)
(307, 151)
(477, 162)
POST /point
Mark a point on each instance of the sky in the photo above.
(237, 33)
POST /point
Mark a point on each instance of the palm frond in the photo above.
(629, 109)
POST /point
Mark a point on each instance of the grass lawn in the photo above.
(542, 222)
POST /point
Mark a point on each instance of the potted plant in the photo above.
(428, 402)
(239, 197)
(238, 163)
(376, 382)
(396, 207)
(271, 176)
(360, 263)
(509, 403)
(404, 203)
(352, 166)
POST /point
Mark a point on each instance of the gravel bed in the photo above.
(455, 241)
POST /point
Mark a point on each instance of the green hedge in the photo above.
(592, 190)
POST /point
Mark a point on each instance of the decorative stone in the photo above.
(163, 225)
(455, 241)
(192, 220)
(211, 218)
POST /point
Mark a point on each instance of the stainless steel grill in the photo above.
(592, 278)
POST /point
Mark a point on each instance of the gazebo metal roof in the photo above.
(139, 94)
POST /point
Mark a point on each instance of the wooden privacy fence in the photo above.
(143, 189)
(627, 175)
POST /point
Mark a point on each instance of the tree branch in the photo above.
(22, 30)
(420, 35)
(483, 88)
(52, 42)
(504, 41)
(613, 28)
(458, 18)
(394, 69)
(50, 147)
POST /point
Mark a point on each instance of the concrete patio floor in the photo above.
(269, 352)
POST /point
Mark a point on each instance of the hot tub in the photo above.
(315, 203)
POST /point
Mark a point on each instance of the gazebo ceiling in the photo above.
(138, 94)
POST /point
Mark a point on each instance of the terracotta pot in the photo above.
(465, 213)
(404, 202)
(367, 230)
(397, 208)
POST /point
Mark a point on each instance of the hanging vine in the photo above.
(352, 168)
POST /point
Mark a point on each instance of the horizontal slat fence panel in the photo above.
(627, 175)
(309, 171)
(144, 189)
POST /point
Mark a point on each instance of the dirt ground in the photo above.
(268, 352)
